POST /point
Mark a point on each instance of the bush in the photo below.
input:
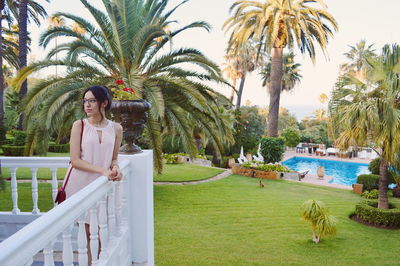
(291, 136)
(373, 194)
(11, 150)
(19, 137)
(265, 167)
(58, 147)
(367, 211)
(374, 166)
(173, 158)
(272, 149)
(370, 181)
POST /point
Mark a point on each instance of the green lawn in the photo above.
(45, 201)
(186, 172)
(234, 222)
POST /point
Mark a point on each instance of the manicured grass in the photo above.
(42, 174)
(186, 172)
(234, 222)
(45, 201)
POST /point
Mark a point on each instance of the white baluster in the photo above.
(54, 184)
(111, 212)
(48, 255)
(67, 254)
(118, 209)
(124, 201)
(82, 242)
(35, 191)
(14, 190)
(94, 237)
(103, 228)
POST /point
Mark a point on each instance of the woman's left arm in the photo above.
(114, 164)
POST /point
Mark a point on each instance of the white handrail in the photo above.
(39, 233)
(34, 162)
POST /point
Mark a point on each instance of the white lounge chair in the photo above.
(331, 151)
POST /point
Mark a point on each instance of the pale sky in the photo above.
(376, 21)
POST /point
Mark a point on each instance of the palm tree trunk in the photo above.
(275, 91)
(383, 202)
(240, 92)
(2, 129)
(23, 50)
(233, 91)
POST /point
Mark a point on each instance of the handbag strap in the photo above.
(70, 169)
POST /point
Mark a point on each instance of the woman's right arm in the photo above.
(75, 153)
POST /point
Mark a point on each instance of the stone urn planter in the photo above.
(132, 115)
(321, 172)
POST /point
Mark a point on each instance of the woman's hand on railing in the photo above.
(116, 173)
(112, 175)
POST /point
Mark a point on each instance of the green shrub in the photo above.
(173, 158)
(367, 210)
(374, 166)
(373, 194)
(19, 137)
(370, 181)
(58, 147)
(11, 150)
(265, 167)
(291, 136)
(272, 149)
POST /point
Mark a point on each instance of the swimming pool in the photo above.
(343, 173)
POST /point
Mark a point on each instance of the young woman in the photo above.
(101, 139)
(98, 154)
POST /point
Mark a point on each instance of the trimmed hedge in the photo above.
(370, 181)
(367, 211)
(265, 167)
(11, 150)
(59, 147)
(373, 194)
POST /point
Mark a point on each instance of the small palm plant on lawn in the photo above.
(322, 223)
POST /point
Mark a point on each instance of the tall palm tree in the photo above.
(358, 57)
(123, 44)
(290, 73)
(373, 115)
(23, 18)
(230, 68)
(276, 24)
(244, 60)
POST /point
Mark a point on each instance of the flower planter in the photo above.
(132, 115)
(267, 175)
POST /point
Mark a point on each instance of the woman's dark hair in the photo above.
(102, 94)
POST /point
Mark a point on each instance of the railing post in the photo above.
(140, 207)
(14, 190)
(35, 194)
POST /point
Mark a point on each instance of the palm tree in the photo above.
(123, 44)
(358, 57)
(290, 73)
(276, 24)
(231, 71)
(244, 60)
(23, 17)
(373, 115)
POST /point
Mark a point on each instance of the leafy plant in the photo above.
(373, 194)
(173, 158)
(369, 181)
(19, 137)
(367, 211)
(291, 136)
(322, 223)
(272, 149)
(265, 167)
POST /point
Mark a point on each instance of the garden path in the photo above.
(224, 174)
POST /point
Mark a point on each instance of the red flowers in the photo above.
(121, 92)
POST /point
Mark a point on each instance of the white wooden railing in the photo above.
(121, 218)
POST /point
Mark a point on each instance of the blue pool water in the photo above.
(343, 173)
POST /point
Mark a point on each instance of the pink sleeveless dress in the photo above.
(96, 151)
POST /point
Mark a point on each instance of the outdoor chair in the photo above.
(303, 174)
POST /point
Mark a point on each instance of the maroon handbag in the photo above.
(61, 195)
